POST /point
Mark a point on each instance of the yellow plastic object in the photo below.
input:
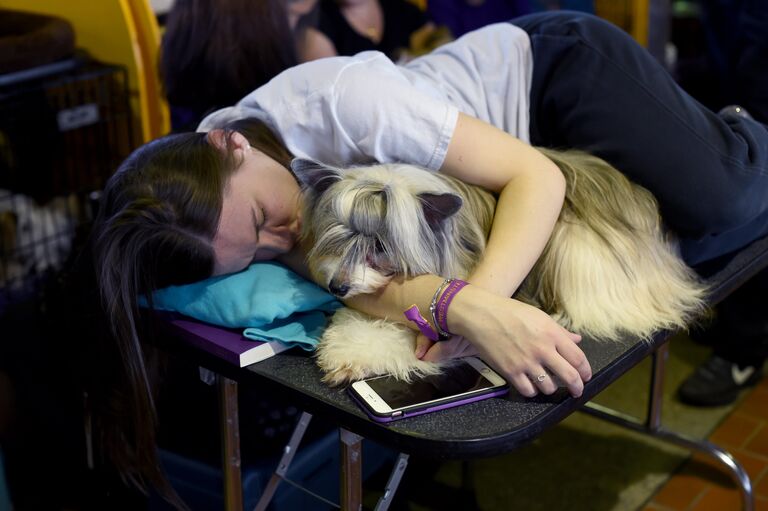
(116, 32)
(640, 19)
(148, 32)
(631, 15)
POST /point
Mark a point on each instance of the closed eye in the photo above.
(255, 224)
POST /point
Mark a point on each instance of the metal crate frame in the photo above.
(64, 129)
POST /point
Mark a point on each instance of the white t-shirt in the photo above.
(363, 109)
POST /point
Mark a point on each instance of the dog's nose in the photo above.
(338, 289)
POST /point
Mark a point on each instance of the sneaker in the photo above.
(717, 382)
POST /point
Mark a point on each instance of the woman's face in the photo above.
(260, 216)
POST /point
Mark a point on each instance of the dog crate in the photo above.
(64, 128)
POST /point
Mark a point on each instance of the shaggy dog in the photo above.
(608, 270)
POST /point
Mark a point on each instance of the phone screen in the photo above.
(457, 379)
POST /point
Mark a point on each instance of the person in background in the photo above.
(216, 51)
(311, 43)
(462, 16)
(739, 339)
(397, 28)
(729, 70)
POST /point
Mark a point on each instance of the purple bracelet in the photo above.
(444, 301)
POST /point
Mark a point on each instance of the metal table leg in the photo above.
(285, 461)
(351, 471)
(230, 442)
(394, 481)
(652, 426)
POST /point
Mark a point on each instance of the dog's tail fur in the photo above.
(622, 274)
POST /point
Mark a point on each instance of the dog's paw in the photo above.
(357, 346)
(345, 375)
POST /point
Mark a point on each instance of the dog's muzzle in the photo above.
(338, 289)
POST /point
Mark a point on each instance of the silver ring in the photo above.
(541, 377)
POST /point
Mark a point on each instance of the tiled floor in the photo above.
(703, 485)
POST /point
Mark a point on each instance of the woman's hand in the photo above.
(520, 341)
(455, 347)
(524, 344)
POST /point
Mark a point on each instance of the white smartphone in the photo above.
(385, 398)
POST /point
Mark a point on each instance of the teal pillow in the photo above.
(269, 301)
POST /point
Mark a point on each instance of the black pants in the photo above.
(595, 88)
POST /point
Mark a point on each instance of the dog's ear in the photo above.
(439, 206)
(314, 175)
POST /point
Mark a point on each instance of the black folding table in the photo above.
(485, 428)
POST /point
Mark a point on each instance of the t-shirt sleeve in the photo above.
(389, 118)
(359, 110)
(297, 106)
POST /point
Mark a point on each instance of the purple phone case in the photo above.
(378, 418)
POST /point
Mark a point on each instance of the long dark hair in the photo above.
(214, 52)
(157, 218)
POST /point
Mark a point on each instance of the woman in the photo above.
(214, 52)
(462, 16)
(397, 28)
(190, 206)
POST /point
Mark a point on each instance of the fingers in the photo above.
(469, 350)
(452, 348)
(435, 353)
(523, 385)
(566, 374)
(422, 345)
(567, 363)
(563, 363)
(576, 359)
(545, 379)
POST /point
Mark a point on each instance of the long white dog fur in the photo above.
(609, 269)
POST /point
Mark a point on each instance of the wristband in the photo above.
(444, 336)
(414, 314)
(441, 308)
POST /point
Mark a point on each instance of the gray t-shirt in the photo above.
(362, 109)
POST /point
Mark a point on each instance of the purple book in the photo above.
(227, 344)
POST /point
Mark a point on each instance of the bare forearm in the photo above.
(526, 213)
(531, 190)
(397, 296)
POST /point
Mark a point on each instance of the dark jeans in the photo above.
(594, 88)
